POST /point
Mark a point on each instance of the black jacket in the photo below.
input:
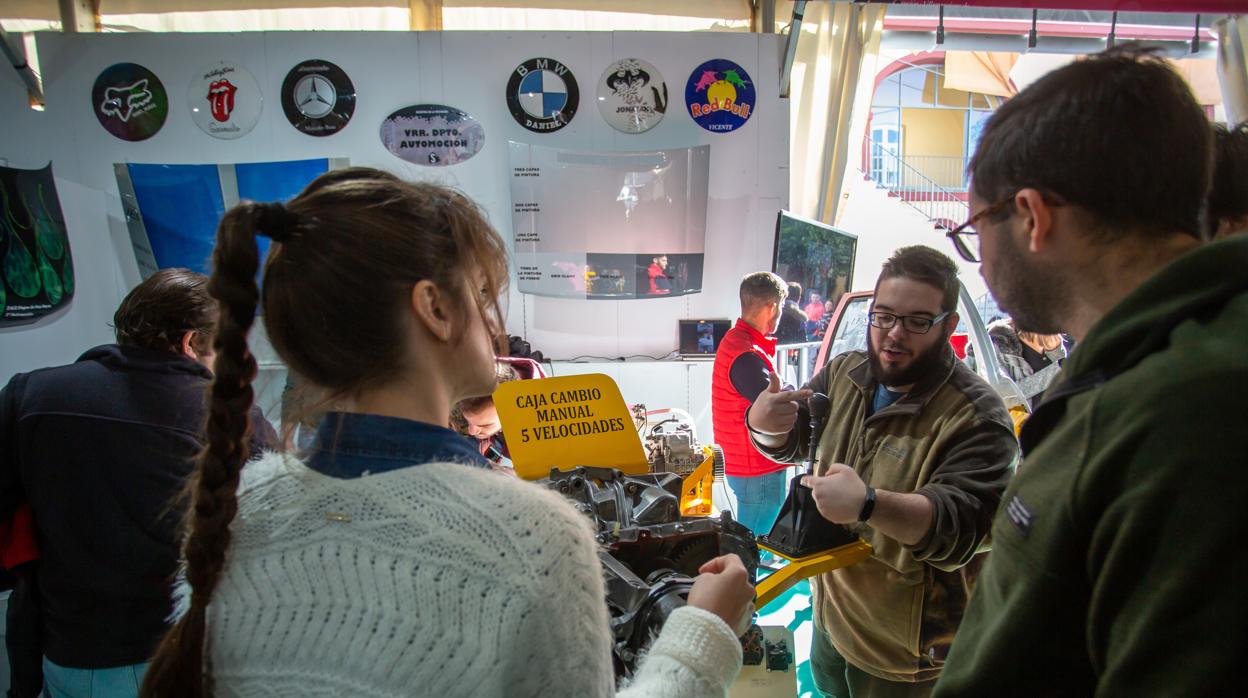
(100, 449)
(792, 329)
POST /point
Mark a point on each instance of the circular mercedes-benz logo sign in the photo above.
(314, 96)
(542, 95)
(318, 98)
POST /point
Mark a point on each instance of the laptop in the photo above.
(699, 339)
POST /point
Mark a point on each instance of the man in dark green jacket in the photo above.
(1119, 566)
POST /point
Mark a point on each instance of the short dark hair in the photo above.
(1228, 197)
(1118, 134)
(164, 307)
(795, 292)
(925, 265)
(761, 287)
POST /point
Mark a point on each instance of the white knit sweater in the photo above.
(435, 580)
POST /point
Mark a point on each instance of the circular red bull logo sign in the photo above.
(225, 101)
(720, 96)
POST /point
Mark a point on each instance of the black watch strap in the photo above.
(868, 504)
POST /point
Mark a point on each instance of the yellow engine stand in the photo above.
(801, 568)
(695, 488)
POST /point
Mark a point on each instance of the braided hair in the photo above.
(347, 252)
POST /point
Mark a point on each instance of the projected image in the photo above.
(633, 223)
(172, 211)
(669, 274)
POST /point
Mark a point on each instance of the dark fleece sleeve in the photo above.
(965, 490)
(749, 375)
(10, 482)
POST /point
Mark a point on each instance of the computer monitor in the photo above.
(699, 339)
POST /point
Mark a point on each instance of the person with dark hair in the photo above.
(1228, 197)
(477, 417)
(1030, 359)
(792, 327)
(1118, 564)
(743, 366)
(390, 560)
(657, 276)
(97, 450)
(914, 456)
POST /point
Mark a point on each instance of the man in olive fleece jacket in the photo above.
(929, 442)
(1119, 566)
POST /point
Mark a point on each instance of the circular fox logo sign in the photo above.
(130, 101)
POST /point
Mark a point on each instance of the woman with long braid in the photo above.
(389, 560)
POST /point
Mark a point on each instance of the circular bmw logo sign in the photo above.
(542, 95)
(318, 98)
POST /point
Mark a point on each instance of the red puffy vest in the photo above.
(728, 408)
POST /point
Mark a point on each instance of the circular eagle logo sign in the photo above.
(542, 95)
(318, 98)
(130, 101)
(720, 95)
(632, 96)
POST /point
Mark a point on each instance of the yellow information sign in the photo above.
(568, 421)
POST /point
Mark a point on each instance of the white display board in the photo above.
(608, 226)
(469, 71)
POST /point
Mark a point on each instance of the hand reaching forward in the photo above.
(775, 411)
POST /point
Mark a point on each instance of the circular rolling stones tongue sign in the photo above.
(130, 101)
(318, 98)
(720, 95)
(542, 95)
(632, 96)
(225, 101)
(432, 134)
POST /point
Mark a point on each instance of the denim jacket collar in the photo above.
(351, 445)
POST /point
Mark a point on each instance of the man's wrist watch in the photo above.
(868, 505)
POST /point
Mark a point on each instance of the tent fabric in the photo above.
(1233, 66)
(985, 72)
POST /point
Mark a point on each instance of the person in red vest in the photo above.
(743, 368)
(660, 282)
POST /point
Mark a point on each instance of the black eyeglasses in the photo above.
(914, 324)
(965, 238)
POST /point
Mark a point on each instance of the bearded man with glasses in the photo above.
(915, 454)
(1118, 565)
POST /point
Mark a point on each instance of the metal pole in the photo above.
(15, 51)
(790, 47)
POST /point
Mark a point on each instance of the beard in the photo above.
(922, 364)
(1029, 294)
